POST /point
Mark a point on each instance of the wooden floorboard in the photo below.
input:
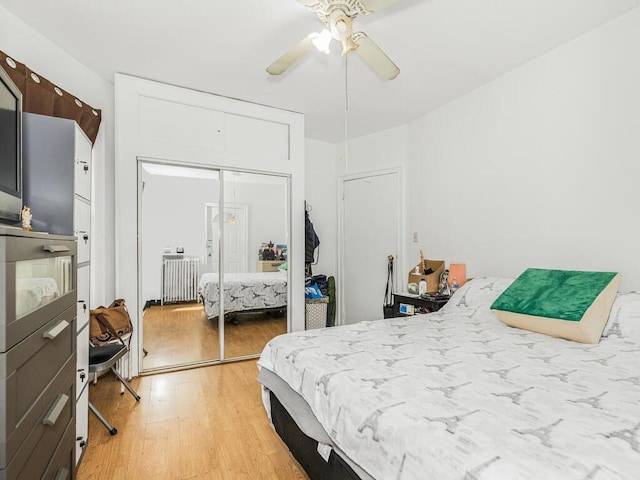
(204, 423)
(182, 333)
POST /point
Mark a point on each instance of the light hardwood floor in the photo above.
(178, 334)
(204, 423)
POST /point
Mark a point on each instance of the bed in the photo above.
(244, 292)
(456, 394)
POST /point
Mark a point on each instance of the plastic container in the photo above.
(422, 287)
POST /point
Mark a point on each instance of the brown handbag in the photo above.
(107, 324)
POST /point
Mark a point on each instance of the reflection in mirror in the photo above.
(172, 230)
(255, 227)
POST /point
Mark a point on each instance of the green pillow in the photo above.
(562, 303)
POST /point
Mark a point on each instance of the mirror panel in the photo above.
(173, 256)
(255, 226)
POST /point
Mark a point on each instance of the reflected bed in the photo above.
(244, 292)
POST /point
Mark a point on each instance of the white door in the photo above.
(370, 233)
(235, 237)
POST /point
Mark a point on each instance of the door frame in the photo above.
(245, 212)
(138, 322)
(399, 254)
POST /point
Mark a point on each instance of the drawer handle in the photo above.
(56, 248)
(52, 415)
(55, 331)
(61, 474)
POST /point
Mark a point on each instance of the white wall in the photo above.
(321, 194)
(541, 166)
(175, 219)
(31, 48)
(538, 168)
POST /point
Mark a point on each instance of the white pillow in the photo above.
(624, 319)
(478, 292)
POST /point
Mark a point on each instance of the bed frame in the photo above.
(305, 449)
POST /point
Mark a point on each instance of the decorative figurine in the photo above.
(26, 219)
(443, 287)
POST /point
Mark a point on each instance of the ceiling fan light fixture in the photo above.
(337, 16)
(322, 41)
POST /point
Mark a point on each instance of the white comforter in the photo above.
(244, 291)
(458, 395)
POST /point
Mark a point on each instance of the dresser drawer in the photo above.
(84, 274)
(31, 367)
(82, 229)
(39, 278)
(62, 465)
(82, 425)
(82, 358)
(54, 414)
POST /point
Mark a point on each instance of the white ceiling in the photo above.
(444, 48)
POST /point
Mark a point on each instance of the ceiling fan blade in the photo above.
(308, 3)
(375, 5)
(292, 56)
(375, 57)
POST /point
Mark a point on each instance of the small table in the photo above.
(420, 305)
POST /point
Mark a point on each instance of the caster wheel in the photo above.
(113, 431)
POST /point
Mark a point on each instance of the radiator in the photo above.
(180, 280)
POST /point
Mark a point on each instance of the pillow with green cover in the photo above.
(561, 303)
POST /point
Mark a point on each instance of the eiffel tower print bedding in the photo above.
(243, 292)
(456, 394)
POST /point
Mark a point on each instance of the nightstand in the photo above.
(402, 303)
(268, 265)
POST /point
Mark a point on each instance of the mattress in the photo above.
(244, 292)
(457, 394)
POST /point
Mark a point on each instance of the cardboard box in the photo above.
(433, 279)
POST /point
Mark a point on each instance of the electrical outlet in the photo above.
(415, 237)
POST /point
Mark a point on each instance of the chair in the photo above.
(104, 358)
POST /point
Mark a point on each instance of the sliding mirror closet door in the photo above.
(173, 257)
(254, 224)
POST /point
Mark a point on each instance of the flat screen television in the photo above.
(10, 150)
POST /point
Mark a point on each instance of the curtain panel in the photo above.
(41, 96)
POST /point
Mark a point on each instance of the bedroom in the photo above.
(553, 142)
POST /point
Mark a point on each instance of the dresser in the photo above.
(57, 187)
(38, 308)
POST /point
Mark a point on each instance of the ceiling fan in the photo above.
(338, 15)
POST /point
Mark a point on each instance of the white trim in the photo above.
(131, 145)
(399, 254)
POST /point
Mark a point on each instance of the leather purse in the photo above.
(108, 324)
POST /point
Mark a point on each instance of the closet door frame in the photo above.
(221, 318)
(156, 120)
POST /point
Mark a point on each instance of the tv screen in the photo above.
(8, 141)
(10, 150)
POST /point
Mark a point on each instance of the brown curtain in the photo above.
(41, 96)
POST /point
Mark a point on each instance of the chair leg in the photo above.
(111, 428)
(127, 386)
